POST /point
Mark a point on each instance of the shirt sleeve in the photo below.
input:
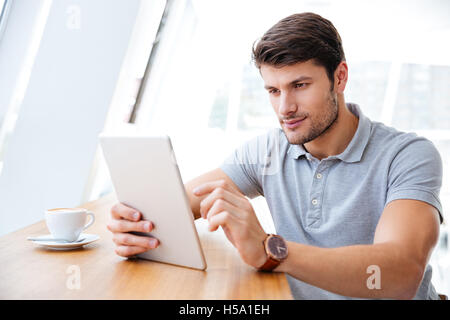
(249, 162)
(416, 173)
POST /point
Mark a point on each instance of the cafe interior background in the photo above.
(71, 69)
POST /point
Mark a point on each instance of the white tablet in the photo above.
(145, 176)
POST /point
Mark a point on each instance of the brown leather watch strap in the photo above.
(269, 265)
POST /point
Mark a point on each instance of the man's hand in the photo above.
(226, 207)
(123, 220)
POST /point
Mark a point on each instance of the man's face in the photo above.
(302, 98)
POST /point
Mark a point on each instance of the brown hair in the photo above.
(299, 38)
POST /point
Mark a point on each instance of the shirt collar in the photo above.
(356, 147)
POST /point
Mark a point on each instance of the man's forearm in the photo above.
(353, 270)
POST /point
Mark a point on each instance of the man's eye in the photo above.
(300, 85)
(273, 91)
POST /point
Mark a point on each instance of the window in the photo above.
(3, 7)
(2, 4)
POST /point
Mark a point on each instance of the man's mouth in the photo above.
(293, 123)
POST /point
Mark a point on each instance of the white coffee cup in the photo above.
(68, 223)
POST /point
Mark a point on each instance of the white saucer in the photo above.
(66, 245)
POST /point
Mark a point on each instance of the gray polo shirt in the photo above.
(338, 200)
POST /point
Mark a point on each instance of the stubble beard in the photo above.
(319, 126)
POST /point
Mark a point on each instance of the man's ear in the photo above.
(341, 77)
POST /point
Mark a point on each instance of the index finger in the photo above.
(209, 187)
(122, 211)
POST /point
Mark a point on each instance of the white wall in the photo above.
(50, 152)
(14, 45)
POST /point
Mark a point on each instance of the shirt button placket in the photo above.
(316, 195)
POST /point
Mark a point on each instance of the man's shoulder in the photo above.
(388, 138)
(393, 143)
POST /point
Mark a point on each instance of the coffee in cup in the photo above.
(67, 223)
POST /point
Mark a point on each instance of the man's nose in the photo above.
(288, 105)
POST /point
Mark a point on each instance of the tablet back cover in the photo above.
(145, 176)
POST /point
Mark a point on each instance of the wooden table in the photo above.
(29, 271)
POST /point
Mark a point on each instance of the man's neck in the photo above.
(337, 137)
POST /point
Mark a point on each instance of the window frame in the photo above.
(4, 16)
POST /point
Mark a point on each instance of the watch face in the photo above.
(277, 247)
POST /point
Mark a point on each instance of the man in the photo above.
(355, 203)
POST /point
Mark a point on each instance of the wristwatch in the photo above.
(276, 250)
